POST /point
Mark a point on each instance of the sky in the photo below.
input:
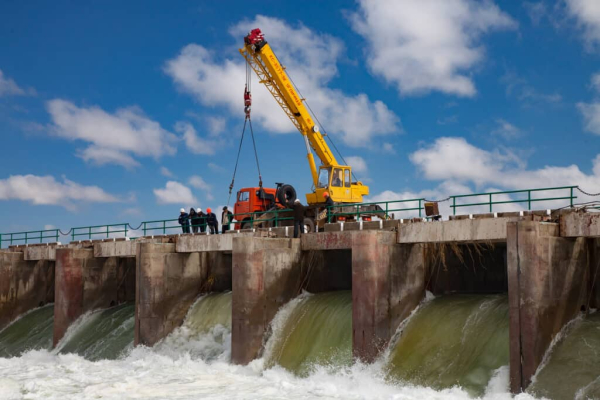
(114, 112)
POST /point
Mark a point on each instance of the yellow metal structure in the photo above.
(330, 177)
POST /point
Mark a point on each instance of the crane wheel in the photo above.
(286, 194)
(309, 225)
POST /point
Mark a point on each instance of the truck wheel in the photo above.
(246, 224)
(309, 225)
(286, 194)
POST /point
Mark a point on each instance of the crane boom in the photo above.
(331, 175)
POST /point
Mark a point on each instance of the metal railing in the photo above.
(386, 208)
(28, 237)
(278, 217)
(529, 200)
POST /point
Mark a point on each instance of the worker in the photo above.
(195, 220)
(226, 218)
(328, 206)
(184, 221)
(211, 220)
(336, 180)
(201, 220)
(299, 210)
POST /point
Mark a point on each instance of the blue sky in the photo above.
(126, 111)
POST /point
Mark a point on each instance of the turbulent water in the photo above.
(103, 334)
(313, 330)
(455, 340)
(32, 331)
(572, 368)
(310, 335)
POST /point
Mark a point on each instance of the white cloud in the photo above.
(536, 11)
(197, 182)
(216, 125)
(311, 59)
(45, 190)
(9, 87)
(357, 163)
(216, 168)
(164, 171)
(596, 82)
(195, 143)
(591, 116)
(453, 159)
(518, 87)
(506, 130)
(49, 227)
(175, 193)
(113, 138)
(388, 148)
(428, 45)
(587, 13)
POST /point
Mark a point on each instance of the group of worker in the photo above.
(199, 221)
(202, 222)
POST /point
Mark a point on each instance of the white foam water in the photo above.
(188, 365)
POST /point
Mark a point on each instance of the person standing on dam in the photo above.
(299, 210)
(195, 220)
(201, 220)
(328, 205)
(211, 220)
(184, 221)
(226, 218)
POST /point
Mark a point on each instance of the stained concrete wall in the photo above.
(85, 283)
(548, 285)
(466, 268)
(265, 276)
(24, 285)
(325, 271)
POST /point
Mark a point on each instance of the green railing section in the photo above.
(529, 196)
(29, 237)
(276, 217)
(383, 208)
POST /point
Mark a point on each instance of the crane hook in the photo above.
(247, 101)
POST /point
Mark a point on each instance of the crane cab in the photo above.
(337, 181)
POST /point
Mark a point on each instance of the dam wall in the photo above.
(548, 265)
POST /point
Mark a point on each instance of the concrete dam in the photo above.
(463, 303)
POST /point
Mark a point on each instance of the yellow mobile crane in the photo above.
(331, 176)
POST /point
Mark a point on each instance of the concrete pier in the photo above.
(266, 275)
(548, 286)
(549, 264)
(85, 283)
(24, 285)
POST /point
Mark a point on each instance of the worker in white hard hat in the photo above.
(184, 221)
(202, 219)
(299, 211)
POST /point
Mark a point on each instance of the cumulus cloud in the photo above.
(591, 111)
(164, 171)
(194, 142)
(46, 190)
(9, 87)
(112, 138)
(506, 130)
(427, 45)
(175, 193)
(199, 183)
(358, 164)
(587, 14)
(311, 59)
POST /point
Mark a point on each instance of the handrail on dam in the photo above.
(488, 200)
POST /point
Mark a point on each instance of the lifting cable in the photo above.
(247, 121)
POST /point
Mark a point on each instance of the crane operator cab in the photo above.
(338, 182)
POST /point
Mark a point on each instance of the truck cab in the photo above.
(337, 181)
(251, 200)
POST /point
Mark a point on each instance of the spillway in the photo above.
(572, 368)
(316, 330)
(32, 331)
(458, 340)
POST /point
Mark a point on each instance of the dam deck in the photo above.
(546, 262)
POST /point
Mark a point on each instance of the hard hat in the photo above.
(182, 210)
(208, 210)
(198, 209)
(326, 194)
(297, 201)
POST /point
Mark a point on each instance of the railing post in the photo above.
(529, 200)
(11, 239)
(107, 231)
(26, 237)
(490, 202)
(453, 205)
(420, 213)
(89, 233)
(357, 212)
(56, 235)
(125, 230)
(571, 196)
(41, 236)
(0, 240)
(164, 227)
(144, 229)
(72, 234)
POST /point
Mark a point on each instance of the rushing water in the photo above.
(572, 370)
(454, 340)
(313, 330)
(309, 336)
(32, 331)
(103, 334)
